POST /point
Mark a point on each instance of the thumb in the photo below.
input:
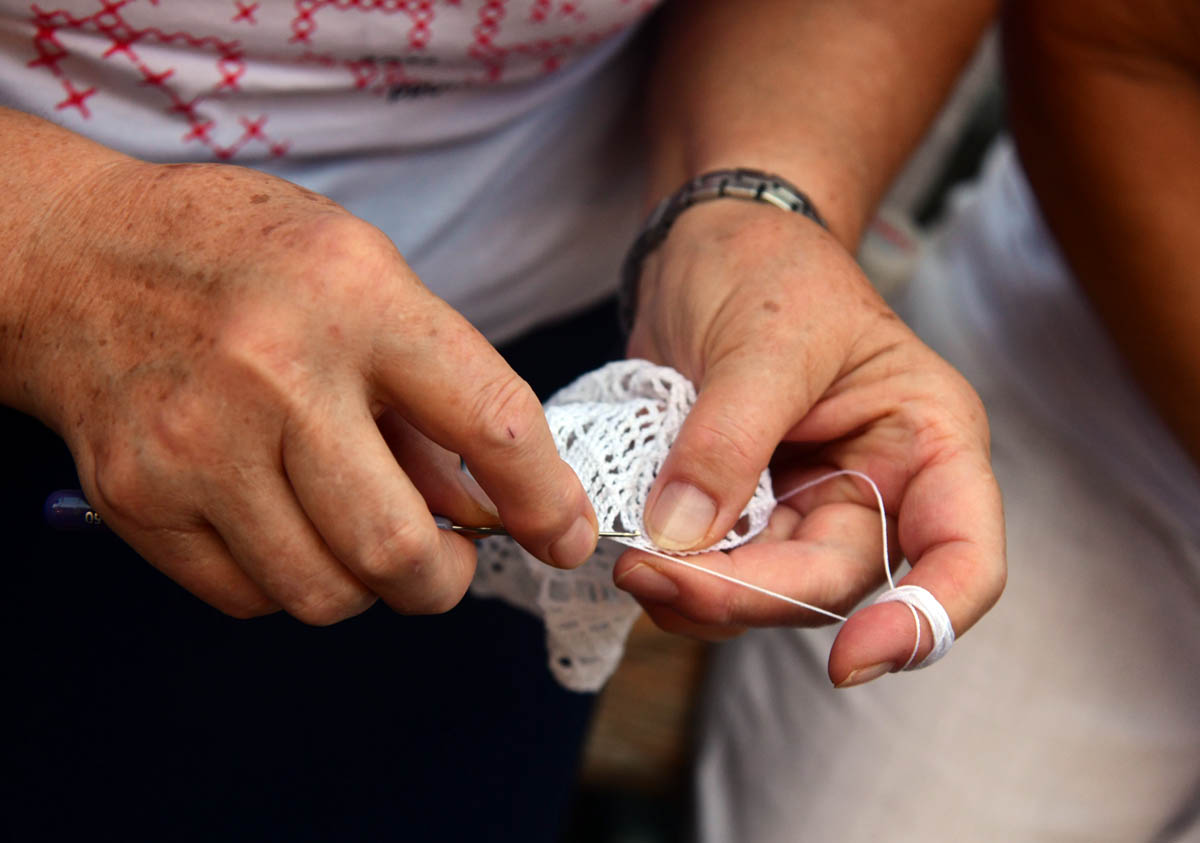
(711, 472)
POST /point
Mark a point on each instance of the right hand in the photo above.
(264, 400)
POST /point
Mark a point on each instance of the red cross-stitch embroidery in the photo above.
(385, 74)
(393, 75)
(552, 51)
(379, 75)
(75, 99)
(245, 12)
(110, 22)
(420, 12)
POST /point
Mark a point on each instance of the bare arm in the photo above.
(831, 95)
(1106, 112)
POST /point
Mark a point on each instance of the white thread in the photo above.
(615, 426)
(914, 597)
(921, 600)
(917, 622)
(736, 581)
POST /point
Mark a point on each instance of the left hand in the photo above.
(801, 365)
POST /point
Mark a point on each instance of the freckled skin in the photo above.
(220, 349)
(799, 363)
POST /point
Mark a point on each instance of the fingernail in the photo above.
(681, 517)
(643, 581)
(865, 674)
(471, 486)
(572, 548)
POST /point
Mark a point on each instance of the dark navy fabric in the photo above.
(139, 713)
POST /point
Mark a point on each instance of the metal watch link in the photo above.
(753, 185)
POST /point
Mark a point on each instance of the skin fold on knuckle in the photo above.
(505, 415)
(438, 584)
(672, 622)
(348, 244)
(405, 553)
(943, 430)
(942, 403)
(708, 604)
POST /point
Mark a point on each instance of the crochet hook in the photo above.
(68, 510)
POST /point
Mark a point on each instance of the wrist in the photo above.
(50, 238)
(744, 184)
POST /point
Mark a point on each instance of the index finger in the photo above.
(453, 386)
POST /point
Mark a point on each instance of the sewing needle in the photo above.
(445, 523)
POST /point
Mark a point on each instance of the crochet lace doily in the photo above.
(614, 427)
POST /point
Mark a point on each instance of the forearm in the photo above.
(42, 172)
(830, 94)
(1106, 112)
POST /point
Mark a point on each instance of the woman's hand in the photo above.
(265, 401)
(800, 364)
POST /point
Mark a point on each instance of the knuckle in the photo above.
(952, 405)
(404, 552)
(121, 485)
(942, 440)
(344, 236)
(716, 608)
(342, 246)
(183, 428)
(725, 611)
(504, 413)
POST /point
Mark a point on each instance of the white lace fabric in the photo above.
(614, 427)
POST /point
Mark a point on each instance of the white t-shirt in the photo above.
(489, 139)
